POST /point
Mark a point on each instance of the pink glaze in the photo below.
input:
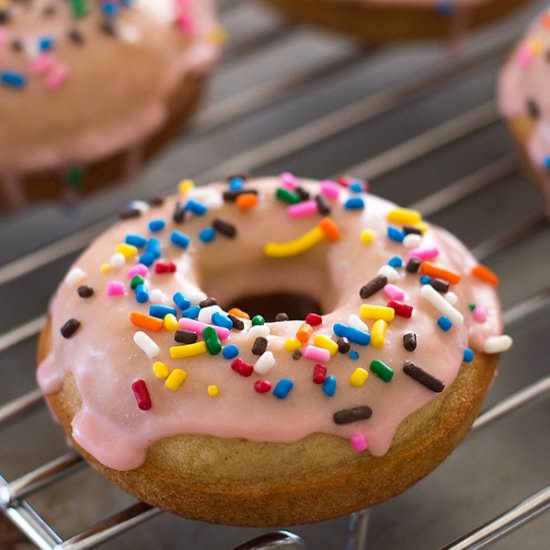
(305, 208)
(105, 362)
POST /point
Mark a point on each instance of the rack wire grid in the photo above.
(293, 99)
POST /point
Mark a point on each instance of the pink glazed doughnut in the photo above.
(358, 366)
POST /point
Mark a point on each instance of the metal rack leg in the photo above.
(358, 530)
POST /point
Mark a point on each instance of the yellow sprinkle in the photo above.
(358, 377)
(378, 333)
(535, 45)
(295, 247)
(367, 236)
(403, 216)
(367, 311)
(175, 379)
(189, 350)
(161, 370)
(185, 186)
(105, 268)
(218, 36)
(423, 226)
(213, 391)
(292, 344)
(323, 341)
(127, 250)
(170, 322)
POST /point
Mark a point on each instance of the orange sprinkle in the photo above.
(238, 313)
(546, 20)
(247, 201)
(146, 322)
(427, 268)
(330, 229)
(304, 333)
(485, 274)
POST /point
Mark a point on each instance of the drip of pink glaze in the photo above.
(50, 378)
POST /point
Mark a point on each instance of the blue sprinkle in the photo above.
(207, 235)
(355, 203)
(156, 225)
(283, 388)
(445, 323)
(153, 247)
(222, 320)
(142, 296)
(425, 280)
(13, 79)
(46, 43)
(156, 310)
(230, 351)
(135, 240)
(236, 183)
(196, 207)
(110, 9)
(147, 259)
(181, 301)
(468, 355)
(395, 234)
(546, 162)
(356, 187)
(352, 334)
(191, 312)
(329, 386)
(180, 239)
(444, 7)
(353, 355)
(396, 262)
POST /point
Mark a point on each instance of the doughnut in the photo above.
(270, 351)
(524, 102)
(382, 21)
(103, 85)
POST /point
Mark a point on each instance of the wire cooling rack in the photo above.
(291, 99)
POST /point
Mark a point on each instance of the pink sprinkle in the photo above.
(115, 288)
(480, 314)
(184, 20)
(138, 269)
(302, 209)
(393, 292)
(42, 64)
(524, 56)
(197, 327)
(330, 189)
(359, 442)
(424, 253)
(288, 180)
(319, 355)
(57, 76)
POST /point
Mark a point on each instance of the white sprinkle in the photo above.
(451, 297)
(211, 198)
(430, 294)
(157, 296)
(498, 344)
(146, 344)
(142, 206)
(265, 363)
(205, 314)
(75, 276)
(259, 330)
(117, 260)
(412, 240)
(357, 323)
(389, 272)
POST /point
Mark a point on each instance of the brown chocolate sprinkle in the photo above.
(440, 285)
(85, 291)
(17, 45)
(207, 302)
(237, 323)
(533, 108)
(259, 346)
(373, 286)
(179, 214)
(4, 17)
(130, 214)
(411, 230)
(322, 205)
(302, 193)
(347, 416)
(423, 377)
(185, 337)
(413, 265)
(156, 201)
(296, 354)
(76, 37)
(281, 317)
(343, 344)
(69, 328)
(232, 196)
(409, 341)
(225, 228)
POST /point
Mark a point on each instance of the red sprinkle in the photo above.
(262, 386)
(141, 393)
(314, 319)
(319, 374)
(165, 267)
(242, 367)
(401, 309)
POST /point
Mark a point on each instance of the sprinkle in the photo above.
(141, 394)
(265, 363)
(330, 189)
(286, 195)
(440, 285)
(158, 297)
(468, 355)
(378, 333)
(213, 390)
(367, 236)
(329, 386)
(352, 334)
(259, 330)
(304, 333)
(165, 267)
(409, 341)
(161, 370)
(354, 355)
(355, 322)
(236, 182)
(262, 386)
(181, 301)
(117, 260)
(156, 225)
(208, 302)
(146, 322)
(189, 350)
(480, 313)
(412, 240)
(237, 323)
(69, 328)
(314, 319)
(413, 265)
(115, 288)
(180, 239)
(445, 324)
(235, 311)
(322, 205)
(105, 268)
(330, 229)
(185, 186)
(452, 298)
(356, 187)
(191, 312)
(196, 207)
(13, 79)
(393, 292)
(358, 377)
(347, 416)
(288, 180)
(242, 367)
(317, 354)
(297, 354)
(373, 286)
(246, 201)
(136, 241)
(383, 371)
(497, 344)
(412, 230)
(206, 312)
(75, 276)
(423, 377)
(425, 280)
(395, 234)
(295, 247)
(432, 270)
(283, 388)
(403, 216)
(213, 343)
(136, 281)
(281, 317)
(220, 319)
(303, 209)
(319, 374)
(401, 309)
(170, 323)
(230, 351)
(485, 274)
(367, 311)
(185, 337)
(259, 346)
(343, 344)
(396, 262)
(302, 193)
(354, 203)
(423, 253)
(359, 442)
(389, 272)
(142, 296)
(439, 302)
(292, 344)
(85, 291)
(258, 320)
(146, 344)
(175, 379)
(233, 195)
(325, 342)
(160, 311)
(225, 228)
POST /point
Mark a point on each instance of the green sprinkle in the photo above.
(258, 320)
(74, 177)
(383, 371)
(471, 307)
(79, 7)
(136, 281)
(212, 341)
(287, 196)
